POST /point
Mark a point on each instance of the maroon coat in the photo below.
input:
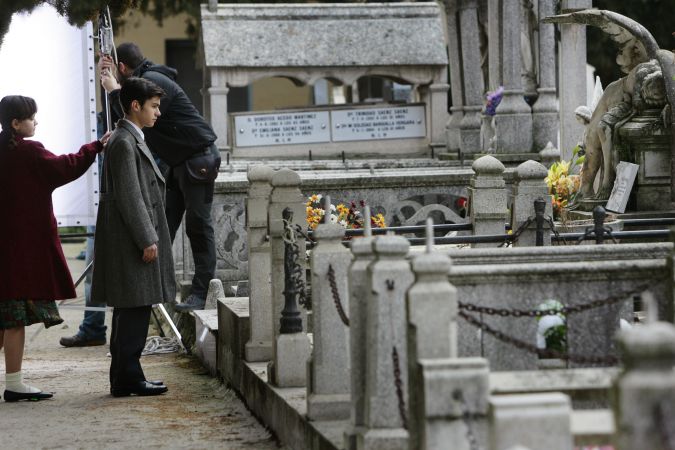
(32, 265)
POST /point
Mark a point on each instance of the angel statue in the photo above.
(649, 83)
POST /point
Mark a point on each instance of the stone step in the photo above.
(206, 338)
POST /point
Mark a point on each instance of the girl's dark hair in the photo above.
(138, 89)
(14, 107)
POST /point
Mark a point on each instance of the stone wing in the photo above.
(626, 32)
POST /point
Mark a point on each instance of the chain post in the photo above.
(291, 322)
(599, 215)
(539, 210)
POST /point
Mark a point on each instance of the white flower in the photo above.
(545, 323)
(333, 218)
(332, 207)
(319, 197)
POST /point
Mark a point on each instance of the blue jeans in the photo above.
(93, 325)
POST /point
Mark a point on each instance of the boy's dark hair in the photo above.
(130, 54)
(15, 107)
(138, 89)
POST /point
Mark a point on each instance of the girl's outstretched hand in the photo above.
(105, 137)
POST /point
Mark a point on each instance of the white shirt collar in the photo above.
(140, 132)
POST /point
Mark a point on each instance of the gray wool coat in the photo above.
(130, 218)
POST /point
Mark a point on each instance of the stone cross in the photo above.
(359, 298)
(531, 420)
(644, 404)
(386, 399)
(530, 187)
(290, 351)
(328, 388)
(259, 347)
(513, 120)
(487, 203)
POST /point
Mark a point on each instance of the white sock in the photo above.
(14, 383)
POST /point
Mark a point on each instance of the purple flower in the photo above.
(492, 100)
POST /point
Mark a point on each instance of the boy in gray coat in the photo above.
(133, 266)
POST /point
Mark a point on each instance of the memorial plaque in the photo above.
(625, 177)
(397, 122)
(282, 128)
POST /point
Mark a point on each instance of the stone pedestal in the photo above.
(513, 121)
(386, 407)
(534, 421)
(645, 141)
(328, 387)
(455, 71)
(451, 388)
(487, 203)
(644, 393)
(432, 329)
(359, 295)
(290, 362)
(530, 186)
(259, 347)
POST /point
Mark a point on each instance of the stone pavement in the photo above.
(198, 412)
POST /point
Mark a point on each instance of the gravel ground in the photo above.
(197, 412)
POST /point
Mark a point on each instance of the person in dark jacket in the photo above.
(33, 270)
(182, 140)
(133, 262)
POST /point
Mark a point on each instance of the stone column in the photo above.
(455, 69)
(644, 393)
(290, 351)
(386, 360)
(438, 113)
(530, 186)
(328, 387)
(572, 77)
(531, 420)
(452, 388)
(513, 121)
(545, 118)
(259, 347)
(494, 44)
(216, 113)
(487, 198)
(432, 328)
(359, 295)
(473, 80)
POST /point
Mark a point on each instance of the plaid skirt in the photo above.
(17, 313)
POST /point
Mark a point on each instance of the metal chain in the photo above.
(591, 230)
(663, 421)
(467, 418)
(399, 387)
(336, 295)
(542, 353)
(555, 232)
(566, 310)
(290, 238)
(516, 234)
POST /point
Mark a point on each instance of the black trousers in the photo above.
(195, 200)
(127, 340)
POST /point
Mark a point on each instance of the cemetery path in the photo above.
(198, 412)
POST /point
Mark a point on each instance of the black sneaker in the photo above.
(190, 304)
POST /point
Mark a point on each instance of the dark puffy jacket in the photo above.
(181, 131)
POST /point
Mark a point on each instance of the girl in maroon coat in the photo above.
(33, 270)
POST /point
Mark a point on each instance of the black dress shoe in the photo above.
(156, 382)
(11, 396)
(79, 341)
(142, 388)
